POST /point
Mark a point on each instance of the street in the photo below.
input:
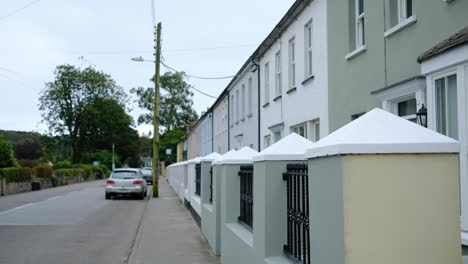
(70, 224)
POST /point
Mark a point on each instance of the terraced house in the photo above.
(327, 63)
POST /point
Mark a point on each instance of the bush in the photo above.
(64, 164)
(7, 157)
(55, 181)
(16, 174)
(69, 173)
(29, 163)
(43, 172)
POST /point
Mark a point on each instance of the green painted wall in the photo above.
(386, 60)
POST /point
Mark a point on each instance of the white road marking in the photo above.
(16, 208)
(53, 198)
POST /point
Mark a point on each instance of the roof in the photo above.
(242, 156)
(292, 147)
(379, 131)
(215, 161)
(459, 38)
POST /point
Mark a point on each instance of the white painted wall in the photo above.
(206, 134)
(310, 101)
(220, 126)
(244, 125)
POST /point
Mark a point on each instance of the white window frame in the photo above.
(292, 62)
(308, 44)
(315, 130)
(401, 100)
(237, 107)
(266, 141)
(296, 128)
(360, 26)
(403, 11)
(444, 77)
(249, 97)
(243, 103)
(267, 82)
(278, 77)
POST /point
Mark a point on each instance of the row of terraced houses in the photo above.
(328, 62)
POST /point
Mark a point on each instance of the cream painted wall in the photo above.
(401, 209)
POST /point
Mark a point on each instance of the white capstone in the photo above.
(211, 157)
(217, 160)
(242, 156)
(194, 160)
(292, 147)
(379, 131)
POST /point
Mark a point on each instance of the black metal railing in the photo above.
(297, 182)
(211, 184)
(246, 196)
(197, 179)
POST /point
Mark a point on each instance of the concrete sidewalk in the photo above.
(168, 233)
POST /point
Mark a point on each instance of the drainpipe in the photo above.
(257, 66)
(229, 119)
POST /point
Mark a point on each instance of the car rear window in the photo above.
(147, 172)
(124, 174)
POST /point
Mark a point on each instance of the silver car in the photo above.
(126, 182)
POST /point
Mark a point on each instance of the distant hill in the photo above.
(18, 137)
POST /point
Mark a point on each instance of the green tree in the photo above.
(176, 109)
(63, 100)
(7, 156)
(169, 140)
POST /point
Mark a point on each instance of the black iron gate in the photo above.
(198, 179)
(298, 245)
(246, 196)
(211, 184)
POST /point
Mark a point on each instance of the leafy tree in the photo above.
(176, 102)
(169, 140)
(7, 158)
(28, 150)
(63, 100)
(105, 123)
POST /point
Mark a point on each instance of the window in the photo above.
(278, 79)
(243, 102)
(267, 141)
(301, 130)
(407, 109)
(316, 127)
(360, 23)
(308, 49)
(267, 82)
(446, 106)
(399, 11)
(277, 136)
(292, 63)
(232, 109)
(237, 106)
(250, 95)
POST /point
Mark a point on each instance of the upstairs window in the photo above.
(249, 96)
(308, 49)
(237, 106)
(278, 79)
(292, 63)
(399, 11)
(243, 101)
(267, 82)
(232, 109)
(360, 23)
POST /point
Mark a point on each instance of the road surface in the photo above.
(70, 224)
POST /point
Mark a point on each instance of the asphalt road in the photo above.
(71, 224)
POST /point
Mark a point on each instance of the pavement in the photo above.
(168, 234)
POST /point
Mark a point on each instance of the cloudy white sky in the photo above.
(205, 37)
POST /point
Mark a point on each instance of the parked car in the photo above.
(126, 182)
(148, 175)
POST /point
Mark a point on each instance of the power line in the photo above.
(204, 93)
(198, 77)
(19, 10)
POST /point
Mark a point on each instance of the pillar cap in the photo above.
(242, 156)
(380, 132)
(211, 157)
(291, 147)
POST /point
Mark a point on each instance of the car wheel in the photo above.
(108, 196)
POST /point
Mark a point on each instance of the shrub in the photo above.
(69, 173)
(55, 181)
(7, 157)
(64, 164)
(28, 163)
(43, 172)
(16, 174)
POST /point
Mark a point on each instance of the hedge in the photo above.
(43, 172)
(16, 174)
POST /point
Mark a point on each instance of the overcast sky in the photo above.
(206, 38)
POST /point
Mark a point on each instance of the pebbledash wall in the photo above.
(294, 77)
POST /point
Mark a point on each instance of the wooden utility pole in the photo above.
(157, 55)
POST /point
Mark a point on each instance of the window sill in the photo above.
(291, 90)
(402, 25)
(249, 115)
(277, 98)
(356, 52)
(266, 105)
(308, 79)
